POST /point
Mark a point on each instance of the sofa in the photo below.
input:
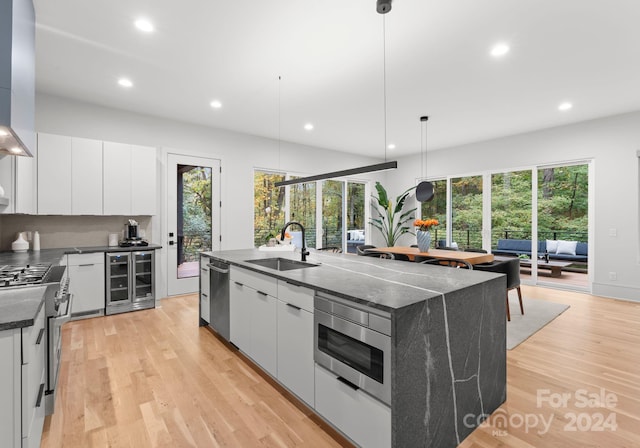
(355, 238)
(558, 249)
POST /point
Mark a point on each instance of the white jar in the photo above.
(20, 244)
(36, 240)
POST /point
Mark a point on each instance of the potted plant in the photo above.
(423, 232)
(391, 220)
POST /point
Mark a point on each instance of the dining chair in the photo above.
(448, 262)
(333, 249)
(379, 254)
(360, 250)
(511, 268)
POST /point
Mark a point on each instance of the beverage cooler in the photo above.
(130, 281)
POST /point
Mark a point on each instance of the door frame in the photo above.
(188, 285)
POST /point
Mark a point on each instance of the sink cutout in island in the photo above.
(281, 264)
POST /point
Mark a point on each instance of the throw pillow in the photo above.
(567, 247)
(552, 246)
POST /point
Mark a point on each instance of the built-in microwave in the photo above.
(354, 342)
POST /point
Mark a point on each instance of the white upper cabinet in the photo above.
(117, 179)
(86, 176)
(129, 179)
(143, 179)
(54, 174)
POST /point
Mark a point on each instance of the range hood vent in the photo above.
(17, 77)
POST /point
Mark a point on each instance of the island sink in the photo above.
(281, 264)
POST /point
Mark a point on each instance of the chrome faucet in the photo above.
(304, 250)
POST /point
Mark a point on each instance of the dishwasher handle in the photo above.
(217, 269)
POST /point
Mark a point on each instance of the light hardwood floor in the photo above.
(154, 378)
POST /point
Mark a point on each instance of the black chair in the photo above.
(472, 249)
(360, 250)
(333, 249)
(378, 254)
(448, 262)
(511, 268)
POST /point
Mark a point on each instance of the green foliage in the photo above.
(196, 212)
(391, 220)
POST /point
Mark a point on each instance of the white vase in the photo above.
(424, 240)
(20, 244)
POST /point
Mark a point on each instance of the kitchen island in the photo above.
(448, 340)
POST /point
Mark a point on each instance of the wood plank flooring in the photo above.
(153, 378)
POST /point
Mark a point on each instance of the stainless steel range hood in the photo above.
(17, 77)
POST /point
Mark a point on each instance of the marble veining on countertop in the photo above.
(384, 284)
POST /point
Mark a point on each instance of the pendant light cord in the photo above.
(279, 117)
(423, 151)
(384, 81)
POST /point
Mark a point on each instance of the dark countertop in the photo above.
(383, 284)
(55, 255)
(20, 306)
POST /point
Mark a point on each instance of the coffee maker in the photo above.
(132, 235)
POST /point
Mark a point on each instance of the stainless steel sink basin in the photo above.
(281, 264)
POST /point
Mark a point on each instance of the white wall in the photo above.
(612, 143)
(239, 155)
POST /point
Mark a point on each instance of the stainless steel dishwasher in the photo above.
(219, 292)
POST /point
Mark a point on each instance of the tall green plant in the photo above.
(391, 221)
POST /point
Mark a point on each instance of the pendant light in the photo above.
(424, 190)
(383, 7)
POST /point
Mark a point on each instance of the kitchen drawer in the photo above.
(34, 343)
(259, 282)
(296, 295)
(33, 338)
(204, 261)
(360, 417)
(85, 259)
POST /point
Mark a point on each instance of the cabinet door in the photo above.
(143, 180)
(264, 329)
(295, 350)
(240, 315)
(54, 174)
(86, 282)
(86, 176)
(27, 184)
(117, 179)
(205, 298)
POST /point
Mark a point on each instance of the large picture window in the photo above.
(268, 206)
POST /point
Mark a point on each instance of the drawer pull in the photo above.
(39, 340)
(297, 308)
(262, 293)
(204, 295)
(86, 265)
(40, 394)
(348, 383)
(239, 284)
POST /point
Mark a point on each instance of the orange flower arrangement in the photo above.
(425, 224)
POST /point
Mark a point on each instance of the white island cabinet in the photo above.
(253, 316)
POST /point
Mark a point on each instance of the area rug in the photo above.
(537, 314)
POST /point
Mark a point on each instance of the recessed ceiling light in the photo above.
(308, 126)
(215, 104)
(124, 82)
(565, 106)
(144, 25)
(391, 146)
(499, 50)
(15, 150)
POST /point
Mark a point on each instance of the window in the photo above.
(332, 199)
(437, 209)
(302, 208)
(268, 206)
(466, 211)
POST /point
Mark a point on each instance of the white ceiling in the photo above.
(329, 54)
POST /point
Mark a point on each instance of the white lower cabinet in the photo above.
(86, 283)
(295, 340)
(253, 316)
(360, 417)
(22, 383)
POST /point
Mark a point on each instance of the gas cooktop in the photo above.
(22, 275)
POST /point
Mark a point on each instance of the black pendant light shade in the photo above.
(424, 190)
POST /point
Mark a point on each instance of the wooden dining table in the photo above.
(413, 252)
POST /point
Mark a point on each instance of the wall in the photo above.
(612, 143)
(239, 155)
(68, 231)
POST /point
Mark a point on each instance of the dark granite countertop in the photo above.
(383, 284)
(55, 255)
(20, 306)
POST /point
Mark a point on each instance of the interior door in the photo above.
(193, 213)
